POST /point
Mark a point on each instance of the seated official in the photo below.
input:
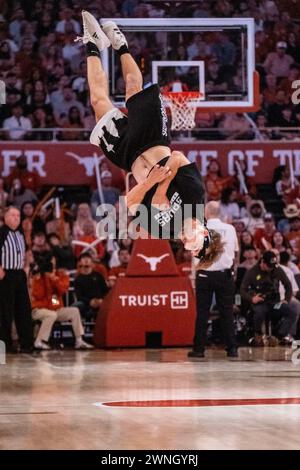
(48, 285)
(260, 287)
(90, 287)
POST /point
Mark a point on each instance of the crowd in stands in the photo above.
(66, 245)
(45, 70)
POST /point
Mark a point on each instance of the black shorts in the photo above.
(124, 138)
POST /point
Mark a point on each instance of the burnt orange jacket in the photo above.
(47, 292)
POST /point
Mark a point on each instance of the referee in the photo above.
(218, 280)
(14, 298)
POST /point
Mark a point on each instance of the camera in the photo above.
(42, 262)
(268, 291)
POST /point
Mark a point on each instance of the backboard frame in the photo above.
(217, 24)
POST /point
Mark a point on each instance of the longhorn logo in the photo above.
(88, 162)
(153, 261)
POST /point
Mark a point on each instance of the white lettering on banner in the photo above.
(177, 300)
(286, 155)
(297, 162)
(35, 158)
(9, 160)
(283, 155)
(36, 161)
(250, 157)
(206, 156)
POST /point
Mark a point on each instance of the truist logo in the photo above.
(153, 261)
(175, 300)
(87, 162)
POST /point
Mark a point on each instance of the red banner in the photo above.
(73, 163)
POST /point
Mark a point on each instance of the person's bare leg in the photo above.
(130, 70)
(98, 85)
(132, 75)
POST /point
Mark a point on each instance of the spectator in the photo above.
(61, 226)
(293, 46)
(260, 287)
(62, 108)
(287, 189)
(250, 258)
(47, 290)
(279, 243)
(3, 194)
(278, 63)
(66, 19)
(229, 208)
(119, 271)
(214, 183)
(83, 214)
(283, 259)
(215, 81)
(90, 287)
(31, 223)
(256, 211)
(246, 242)
(73, 122)
(263, 236)
(292, 213)
(236, 127)
(29, 179)
(111, 195)
(17, 126)
(270, 91)
(19, 195)
(62, 253)
(286, 84)
(89, 242)
(224, 49)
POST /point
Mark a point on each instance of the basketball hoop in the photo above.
(183, 107)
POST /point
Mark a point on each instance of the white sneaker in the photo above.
(83, 345)
(115, 36)
(92, 32)
(41, 345)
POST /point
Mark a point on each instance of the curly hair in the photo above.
(214, 251)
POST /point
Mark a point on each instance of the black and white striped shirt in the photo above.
(12, 254)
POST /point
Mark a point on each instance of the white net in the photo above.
(183, 109)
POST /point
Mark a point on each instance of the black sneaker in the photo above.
(232, 352)
(195, 353)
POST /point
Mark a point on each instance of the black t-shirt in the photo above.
(186, 195)
(90, 286)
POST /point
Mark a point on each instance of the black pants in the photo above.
(262, 312)
(221, 284)
(15, 305)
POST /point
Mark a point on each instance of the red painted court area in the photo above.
(203, 403)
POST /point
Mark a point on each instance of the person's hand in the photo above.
(158, 174)
(95, 303)
(2, 273)
(257, 298)
(284, 302)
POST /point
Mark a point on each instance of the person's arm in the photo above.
(137, 194)
(175, 161)
(282, 277)
(248, 280)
